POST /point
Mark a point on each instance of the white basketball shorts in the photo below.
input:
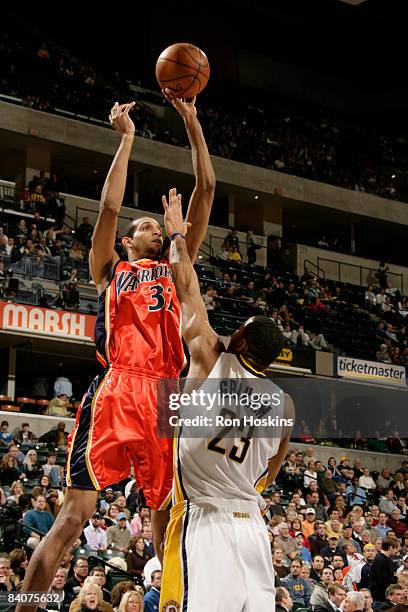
(217, 558)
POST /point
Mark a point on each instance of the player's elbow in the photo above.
(206, 185)
(109, 206)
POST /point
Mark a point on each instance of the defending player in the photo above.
(138, 339)
(217, 552)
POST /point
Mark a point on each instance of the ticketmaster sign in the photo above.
(347, 367)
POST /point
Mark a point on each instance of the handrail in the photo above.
(320, 272)
(102, 561)
(79, 209)
(221, 241)
(209, 251)
(34, 529)
(341, 264)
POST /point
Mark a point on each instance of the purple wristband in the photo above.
(173, 236)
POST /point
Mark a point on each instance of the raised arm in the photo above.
(199, 208)
(103, 256)
(201, 339)
(275, 463)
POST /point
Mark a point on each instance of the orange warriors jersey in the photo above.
(138, 340)
(139, 321)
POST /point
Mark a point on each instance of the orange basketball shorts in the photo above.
(116, 426)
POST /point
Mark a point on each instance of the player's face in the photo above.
(147, 239)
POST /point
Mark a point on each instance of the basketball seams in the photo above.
(206, 65)
(196, 66)
(190, 86)
(172, 61)
(182, 76)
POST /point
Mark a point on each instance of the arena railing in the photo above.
(217, 241)
(307, 265)
(116, 574)
(341, 267)
(12, 196)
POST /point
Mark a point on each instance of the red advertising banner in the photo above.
(46, 322)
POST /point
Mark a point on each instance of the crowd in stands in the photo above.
(49, 79)
(40, 244)
(314, 144)
(335, 529)
(311, 312)
(58, 398)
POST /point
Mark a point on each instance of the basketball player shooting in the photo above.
(138, 340)
(217, 552)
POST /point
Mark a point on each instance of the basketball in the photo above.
(184, 69)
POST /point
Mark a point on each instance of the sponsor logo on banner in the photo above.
(285, 356)
(347, 367)
(46, 322)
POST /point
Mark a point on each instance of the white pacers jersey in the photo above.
(221, 466)
(217, 554)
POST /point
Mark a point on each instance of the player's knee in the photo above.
(67, 527)
(78, 508)
(69, 524)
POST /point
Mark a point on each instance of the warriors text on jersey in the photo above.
(138, 323)
(138, 340)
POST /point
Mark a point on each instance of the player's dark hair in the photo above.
(265, 340)
(129, 229)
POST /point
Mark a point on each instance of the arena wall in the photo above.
(375, 461)
(46, 129)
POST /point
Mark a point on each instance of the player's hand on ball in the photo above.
(173, 214)
(185, 106)
(120, 120)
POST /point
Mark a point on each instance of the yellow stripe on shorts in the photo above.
(172, 587)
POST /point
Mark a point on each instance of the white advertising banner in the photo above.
(348, 367)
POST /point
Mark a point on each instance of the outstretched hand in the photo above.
(173, 214)
(120, 120)
(185, 106)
